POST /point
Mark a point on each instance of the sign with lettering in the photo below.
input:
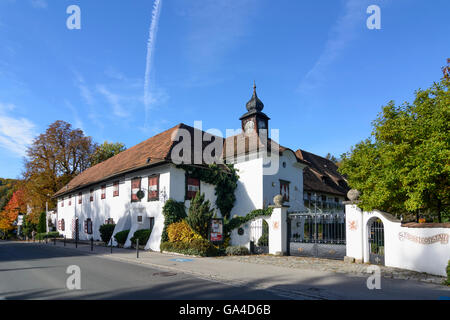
(442, 238)
(216, 231)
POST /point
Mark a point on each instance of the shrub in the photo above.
(237, 251)
(121, 237)
(143, 236)
(198, 247)
(106, 232)
(181, 232)
(448, 273)
(44, 235)
(264, 239)
(173, 212)
(200, 214)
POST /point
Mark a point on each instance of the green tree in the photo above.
(200, 214)
(404, 166)
(105, 151)
(42, 227)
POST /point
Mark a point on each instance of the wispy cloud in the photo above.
(342, 33)
(77, 120)
(15, 134)
(85, 92)
(153, 31)
(114, 101)
(40, 4)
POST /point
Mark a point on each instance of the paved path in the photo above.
(30, 271)
(336, 266)
(283, 281)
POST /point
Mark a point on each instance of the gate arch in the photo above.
(376, 241)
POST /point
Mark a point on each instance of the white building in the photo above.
(130, 189)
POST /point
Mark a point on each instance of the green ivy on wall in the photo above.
(224, 179)
(235, 222)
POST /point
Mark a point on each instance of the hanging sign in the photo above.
(216, 231)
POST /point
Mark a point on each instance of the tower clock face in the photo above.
(249, 126)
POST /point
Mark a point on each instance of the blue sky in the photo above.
(321, 73)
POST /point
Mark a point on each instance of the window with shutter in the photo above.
(80, 198)
(153, 188)
(62, 225)
(70, 201)
(91, 195)
(284, 189)
(88, 226)
(193, 186)
(116, 189)
(103, 192)
(62, 202)
(135, 188)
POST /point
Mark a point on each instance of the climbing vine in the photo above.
(235, 222)
(224, 178)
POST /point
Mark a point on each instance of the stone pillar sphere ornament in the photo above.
(353, 195)
(278, 200)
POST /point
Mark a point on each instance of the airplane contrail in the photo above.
(150, 52)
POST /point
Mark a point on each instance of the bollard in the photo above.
(92, 244)
(76, 242)
(137, 248)
(54, 240)
(64, 241)
(111, 243)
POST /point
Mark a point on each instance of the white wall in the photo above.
(249, 192)
(292, 173)
(123, 211)
(401, 250)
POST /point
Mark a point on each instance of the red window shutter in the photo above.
(193, 186)
(153, 188)
(116, 189)
(63, 225)
(135, 187)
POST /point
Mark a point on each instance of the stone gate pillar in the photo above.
(278, 230)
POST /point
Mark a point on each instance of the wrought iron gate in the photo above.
(317, 234)
(259, 236)
(376, 242)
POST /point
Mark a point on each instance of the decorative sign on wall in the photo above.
(276, 225)
(353, 225)
(442, 238)
(216, 231)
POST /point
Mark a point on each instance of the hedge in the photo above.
(237, 251)
(44, 235)
(143, 236)
(121, 237)
(198, 247)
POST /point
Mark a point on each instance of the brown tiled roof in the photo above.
(321, 175)
(243, 139)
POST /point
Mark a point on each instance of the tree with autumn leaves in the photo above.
(16, 205)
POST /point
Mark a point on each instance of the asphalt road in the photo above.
(30, 271)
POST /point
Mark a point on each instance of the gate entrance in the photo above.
(376, 241)
(259, 237)
(317, 234)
